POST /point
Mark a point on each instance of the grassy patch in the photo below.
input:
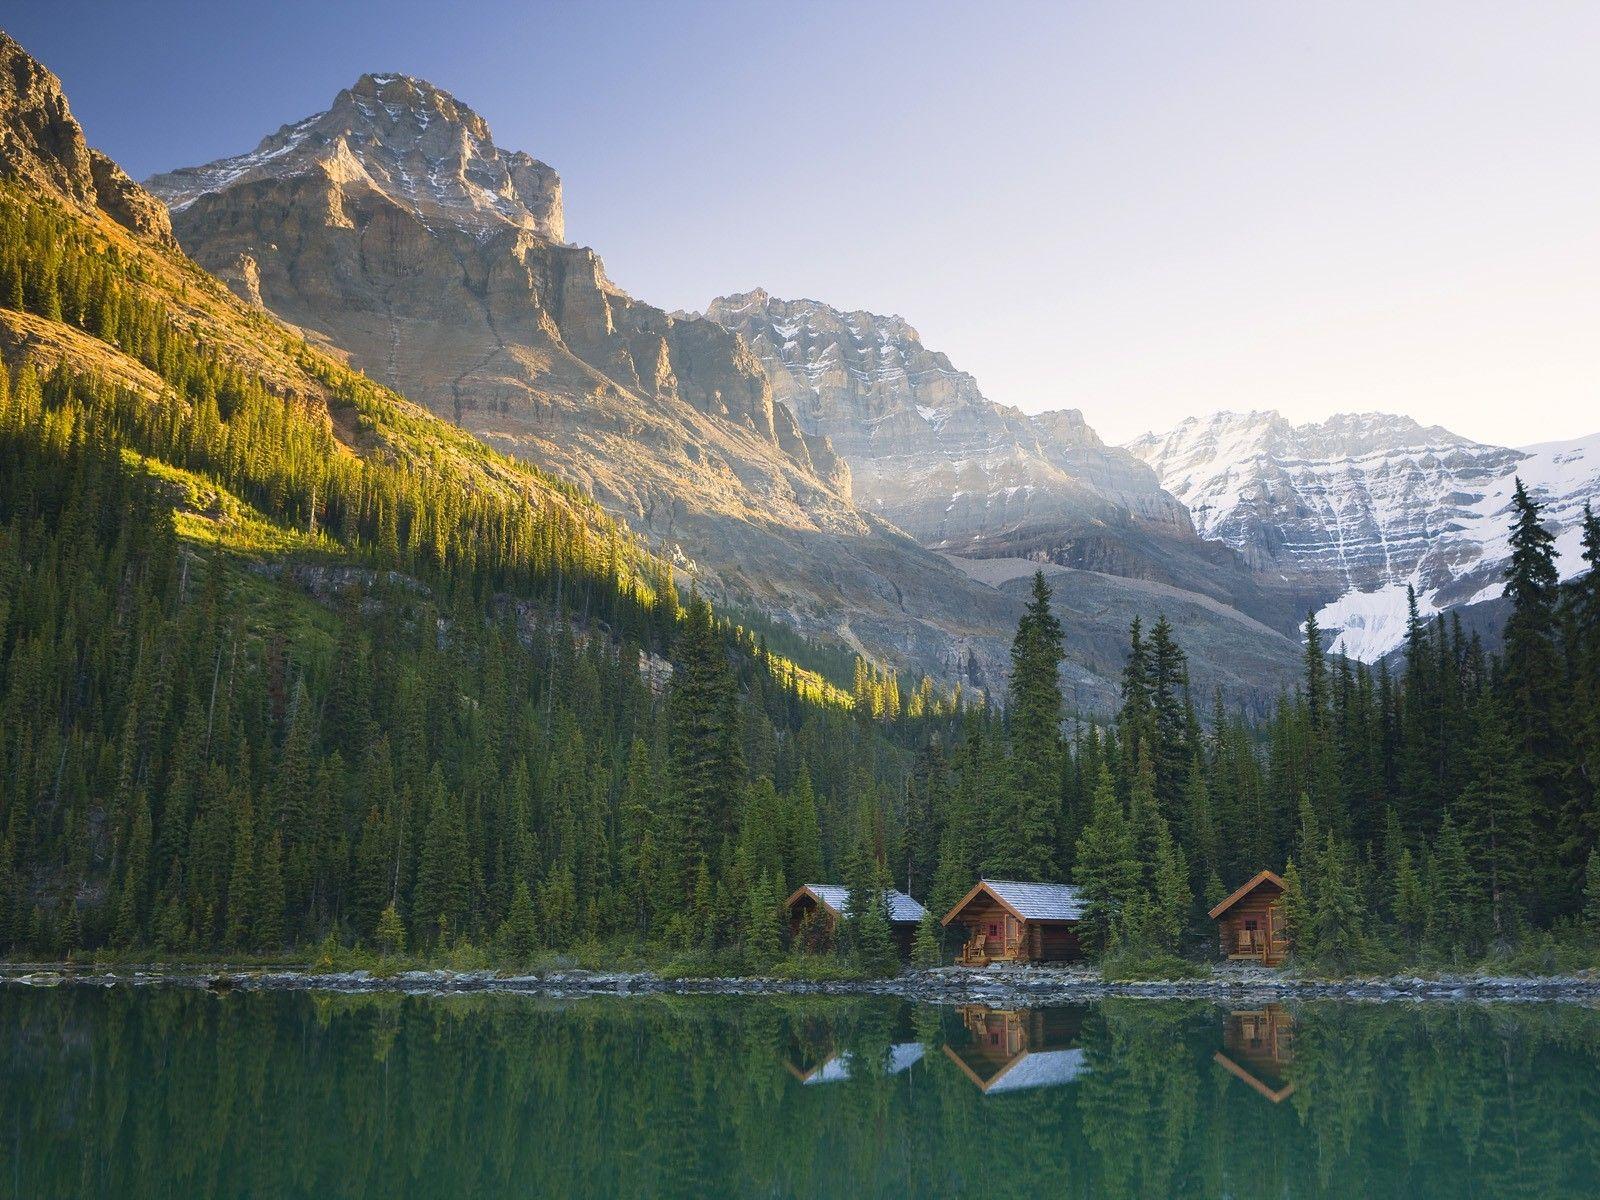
(1124, 966)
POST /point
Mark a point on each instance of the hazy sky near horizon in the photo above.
(1143, 210)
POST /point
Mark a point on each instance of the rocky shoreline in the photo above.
(1001, 987)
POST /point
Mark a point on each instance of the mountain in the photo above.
(1361, 505)
(926, 449)
(964, 475)
(392, 228)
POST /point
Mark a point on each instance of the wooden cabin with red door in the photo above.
(1018, 922)
(827, 903)
(1251, 923)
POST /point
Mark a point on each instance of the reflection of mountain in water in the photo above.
(1258, 1046)
(1011, 1051)
(836, 1067)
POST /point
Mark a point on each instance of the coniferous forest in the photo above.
(260, 693)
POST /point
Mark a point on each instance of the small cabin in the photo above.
(1251, 924)
(828, 902)
(1008, 921)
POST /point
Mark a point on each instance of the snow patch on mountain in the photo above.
(1370, 503)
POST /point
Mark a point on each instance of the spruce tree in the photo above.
(267, 929)
(391, 931)
(1107, 872)
(1530, 671)
(925, 949)
(763, 929)
(1452, 892)
(1026, 832)
(519, 932)
(1591, 892)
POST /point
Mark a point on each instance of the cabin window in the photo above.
(1250, 923)
(994, 1039)
(994, 929)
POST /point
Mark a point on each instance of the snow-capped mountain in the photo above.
(414, 143)
(1366, 504)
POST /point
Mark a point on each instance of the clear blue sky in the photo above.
(1144, 210)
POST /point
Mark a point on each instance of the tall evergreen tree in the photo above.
(1025, 835)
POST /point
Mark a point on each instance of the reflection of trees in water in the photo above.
(175, 1093)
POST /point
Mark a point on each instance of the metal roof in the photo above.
(1039, 901)
(902, 908)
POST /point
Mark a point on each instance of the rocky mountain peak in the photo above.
(413, 142)
(41, 144)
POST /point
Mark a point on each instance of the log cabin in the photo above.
(827, 902)
(1251, 923)
(1008, 921)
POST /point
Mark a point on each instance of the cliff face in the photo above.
(392, 228)
(966, 476)
(42, 145)
(1364, 504)
(927, 449)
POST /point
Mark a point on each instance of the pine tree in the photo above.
(1591, 892)
(391, 931)
(925, 949)
(763, 929)
(1494, 811)
(267, 928)
(1338, 909)
(519, 932)
(1025, 837)
(242, 903)
(705, 756)
(805, 839)
(440, 902)
(1108, 872)
(1409, 901)
(1452, 892)
(130, 909)
(1298, 914)
(1530, 671)
(867, 933)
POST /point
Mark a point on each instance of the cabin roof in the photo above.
(1029, 901)
(903, 910)
(1249, 886)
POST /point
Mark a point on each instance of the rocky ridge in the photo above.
(967, 476)
(1364, 504)
(42, 145)
(393, 229)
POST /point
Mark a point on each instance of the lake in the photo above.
(178, 1093)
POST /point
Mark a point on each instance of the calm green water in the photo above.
(167, 1093)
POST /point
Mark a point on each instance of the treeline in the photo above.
(1446, 807)
(495, 722)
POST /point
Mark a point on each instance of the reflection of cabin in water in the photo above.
(837, 1066)
(1257, 1047)
(1018, 922)
(1010, 1051)
(1251, 922)
(828, 902)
